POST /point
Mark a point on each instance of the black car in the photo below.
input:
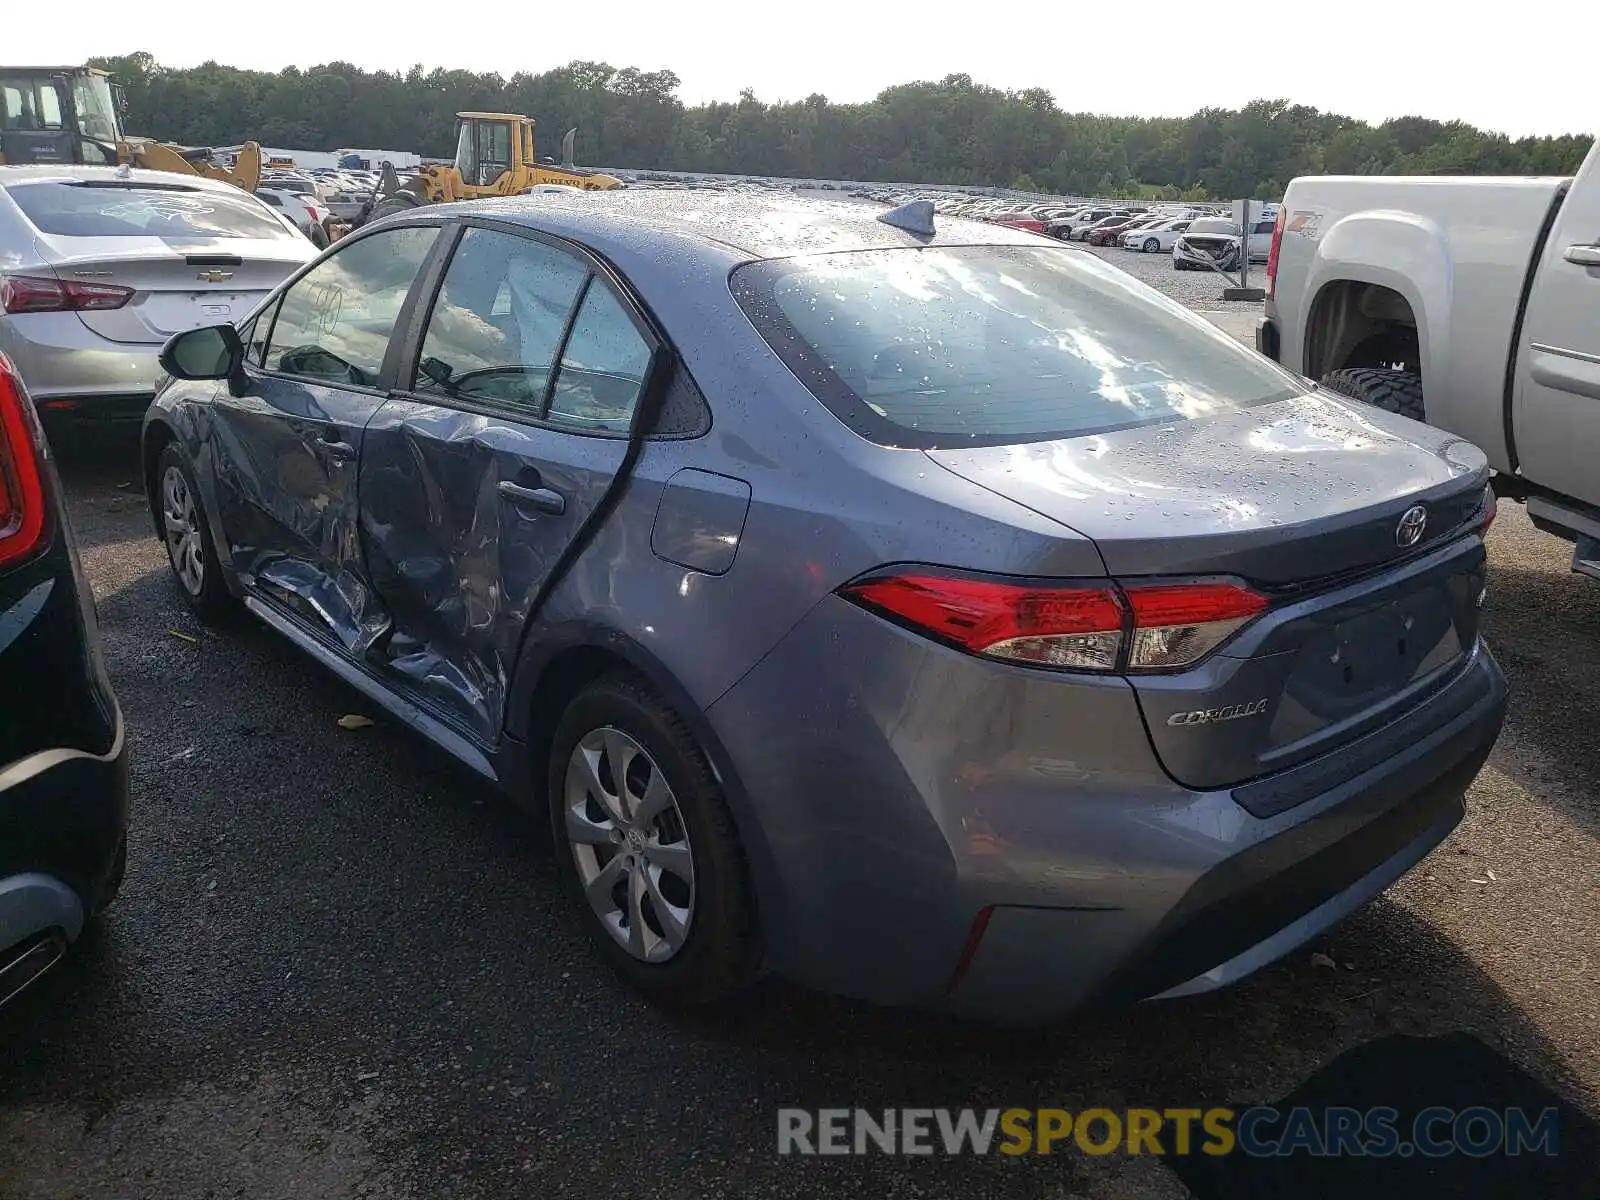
(63, 760)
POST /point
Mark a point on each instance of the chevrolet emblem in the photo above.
(214, 276)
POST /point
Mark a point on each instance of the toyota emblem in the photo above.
(1409, 531)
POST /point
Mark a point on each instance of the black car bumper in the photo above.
(1268, 341)
(63, 817)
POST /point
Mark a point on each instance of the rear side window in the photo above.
(603, 367)
(988, 345)
(112, 208)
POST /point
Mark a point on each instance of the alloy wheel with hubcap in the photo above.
(181, 524)
(181, 521)
(629, 844)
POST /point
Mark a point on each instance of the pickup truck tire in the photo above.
(1395, 391)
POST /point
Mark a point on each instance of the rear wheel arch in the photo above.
(556, 665)
(1355, 323)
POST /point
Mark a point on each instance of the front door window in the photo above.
(333, 324)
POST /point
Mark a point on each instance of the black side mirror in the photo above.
(212, 352)
(437, 370)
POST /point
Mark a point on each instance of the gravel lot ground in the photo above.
(1197, 289)
(340, 968)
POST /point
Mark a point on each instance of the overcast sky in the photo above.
(1497, 67)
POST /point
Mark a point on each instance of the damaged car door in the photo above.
(485, 468)
(287, 449)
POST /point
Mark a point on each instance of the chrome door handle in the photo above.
(1583, 255)
(543, 499)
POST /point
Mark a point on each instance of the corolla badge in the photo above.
(1212, 716)
(1409, 531)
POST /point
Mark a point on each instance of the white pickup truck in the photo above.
(1470, 303)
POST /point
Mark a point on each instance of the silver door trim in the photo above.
(1563, 352)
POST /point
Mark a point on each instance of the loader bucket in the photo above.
(246, 173)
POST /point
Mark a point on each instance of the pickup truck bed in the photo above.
(1472, 303)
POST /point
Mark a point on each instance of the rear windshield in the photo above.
(111, 209)
(988, 345)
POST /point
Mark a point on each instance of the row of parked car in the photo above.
(1198, 237)
(779, 692)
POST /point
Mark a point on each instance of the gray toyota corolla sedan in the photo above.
(938, 617)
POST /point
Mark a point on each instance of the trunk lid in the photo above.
(178, 283)
(1304, 500)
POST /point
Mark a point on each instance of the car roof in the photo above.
(59, 173)
(750, 225)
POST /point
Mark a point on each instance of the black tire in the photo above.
(211, 599)
(722, 951)
(389, 206)
(1151, 246)
(1394, 391)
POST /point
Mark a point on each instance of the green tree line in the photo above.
(950, 131)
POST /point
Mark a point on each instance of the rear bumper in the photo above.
(901, 793)
(61, 358)
(1268, 339)
(63, 824)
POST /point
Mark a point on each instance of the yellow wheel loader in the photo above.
(494, 157)
(72, 115)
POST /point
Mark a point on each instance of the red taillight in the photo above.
(1082, 628)
(1491, 507)
(1176, 625)
(33, 293)
(21, 490)
(1048, 626)
(1272, 254)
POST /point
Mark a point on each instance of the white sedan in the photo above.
(305, 213)
(1155, 238)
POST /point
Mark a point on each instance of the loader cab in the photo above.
(490, 146)
(58, 115)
